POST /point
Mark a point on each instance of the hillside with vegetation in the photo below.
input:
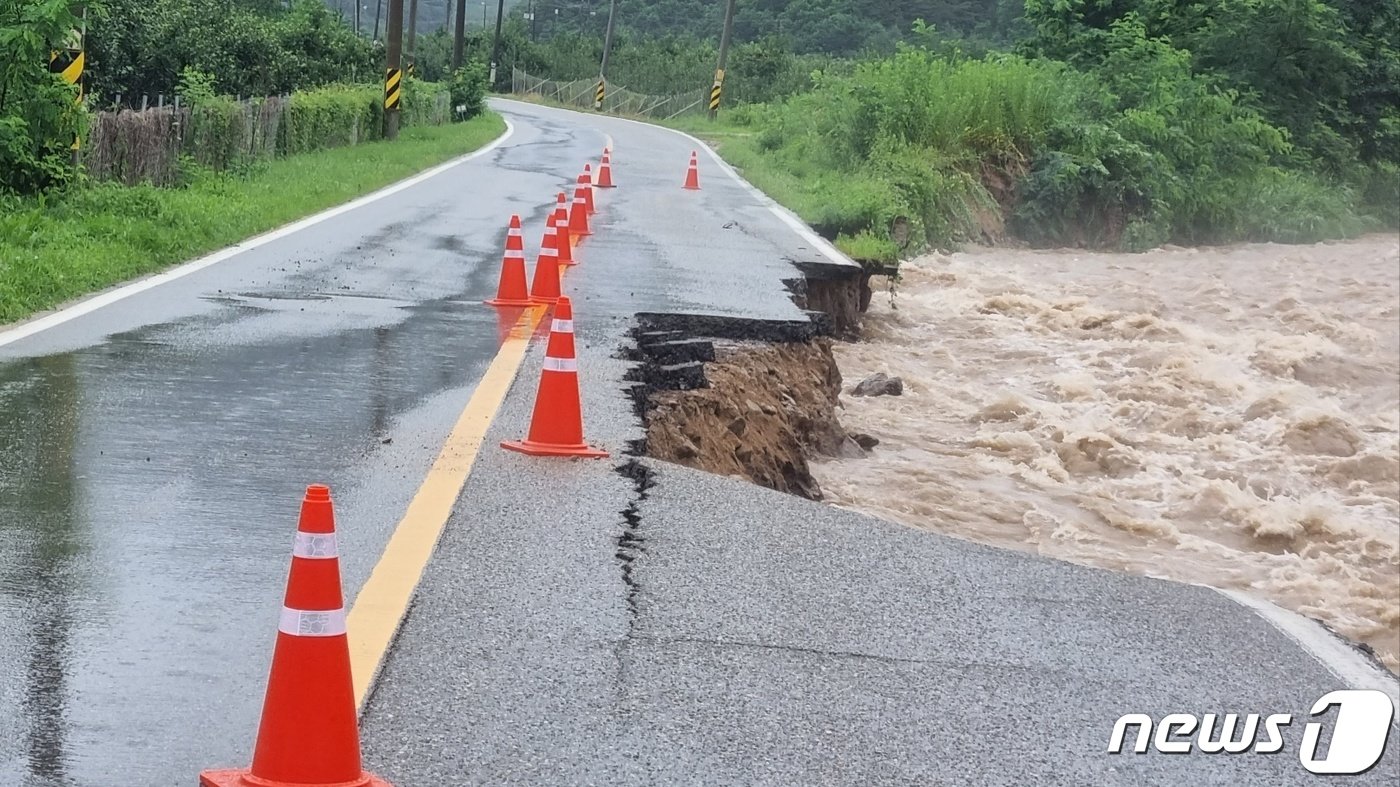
(1102, 123)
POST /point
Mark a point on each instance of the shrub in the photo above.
(331, 116)
(424, 104)
(467, 90)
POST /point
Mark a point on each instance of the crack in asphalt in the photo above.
(630, 543)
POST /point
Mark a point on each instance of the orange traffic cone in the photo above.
(512, 291)
(308, 734)
(605, 180)
(692, 174)
(578, 215)
(561, 232)
(546, 286)
(556, 427)
(585, 179)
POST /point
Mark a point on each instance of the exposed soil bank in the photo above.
(746, 398)
(764, 410)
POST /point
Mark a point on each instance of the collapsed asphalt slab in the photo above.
(592, 622)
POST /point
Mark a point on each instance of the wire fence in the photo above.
(617, 100)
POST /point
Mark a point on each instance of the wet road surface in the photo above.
(153, 455)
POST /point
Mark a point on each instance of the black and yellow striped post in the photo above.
(393, 88)
(409, 71)
(599, 93)
(393, 74)
(69, 64)
(715, 90)
(393, 94)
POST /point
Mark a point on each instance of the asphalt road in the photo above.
(154, 451)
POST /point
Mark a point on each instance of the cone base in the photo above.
(605, 185)
(532, 448)
(243, 777)
(510, 302)
(689, 187)
(542, 301)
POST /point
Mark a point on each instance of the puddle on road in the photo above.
(144, 483)
(1227, 416)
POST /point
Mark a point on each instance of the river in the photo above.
(1227, 416)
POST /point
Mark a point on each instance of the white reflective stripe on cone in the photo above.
(562, 326)
(514, 253)
(316, 546)
(560, 364)
(312, 623)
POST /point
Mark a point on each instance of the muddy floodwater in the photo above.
(1224, 416)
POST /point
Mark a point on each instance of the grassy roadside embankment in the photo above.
(918, 150)
(737, 143)
(61, 246)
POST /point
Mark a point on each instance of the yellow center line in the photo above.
(380, 606)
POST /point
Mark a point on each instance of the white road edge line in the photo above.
(784, 215)
(1351, 667)
(91, 304)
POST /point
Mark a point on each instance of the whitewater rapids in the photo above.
(1227, 416)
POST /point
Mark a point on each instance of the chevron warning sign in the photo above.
(393, 88)
(715, 90)
(69, 63)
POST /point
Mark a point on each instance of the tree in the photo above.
(252, 47)
(39, 114)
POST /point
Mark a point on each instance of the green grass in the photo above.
(58, 247)
(843, 202)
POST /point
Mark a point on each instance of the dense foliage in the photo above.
(252, 47)
(833, 27)
(1134, 154)
(39, 116)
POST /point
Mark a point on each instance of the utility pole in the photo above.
(393, 76)
(412, 34)
(603, 67)
(459, 35)
(378, 7)
(718, 86)
(496, 46)
(357, 17)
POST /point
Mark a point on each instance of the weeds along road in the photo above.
(577, 624)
